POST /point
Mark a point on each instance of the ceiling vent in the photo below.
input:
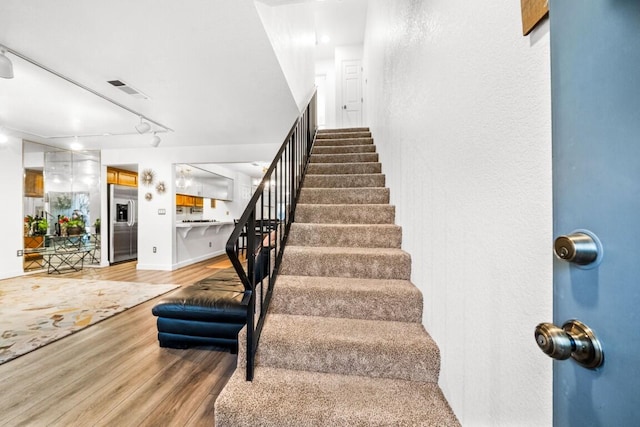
(128, 89)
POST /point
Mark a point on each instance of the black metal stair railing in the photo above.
(264, 225)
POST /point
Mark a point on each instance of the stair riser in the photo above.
(344, 195)
(344, 158)
(355, 360)
(343, 168)
(344, 149)
(371, 236)
(350, 303)
(281, 398)
(344, 181)
(341, 142)
(314, 344)
(339, 264)
(339, 135)
(357, 129)
(345, 214)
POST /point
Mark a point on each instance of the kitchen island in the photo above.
(198, 240)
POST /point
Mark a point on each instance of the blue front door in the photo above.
(595, 74)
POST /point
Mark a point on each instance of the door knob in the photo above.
(574, 339)
(579, 248)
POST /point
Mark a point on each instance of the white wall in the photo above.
(327, 68)
(459, 105)
(11, 184)
(290, 28)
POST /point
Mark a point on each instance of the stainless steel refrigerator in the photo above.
(123, 223)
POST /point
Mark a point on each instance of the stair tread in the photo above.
(334, 250)
(346, 235)
(374, 299)
(371, 180)
(343, 141)
(340, 135)
(353, 129)
(345, 213)
(319, 399)
(348, 195)
(384, 263)
(348, 284)
(344, 168)
(376, 348)
(342, 149)
(344, 158)
(310, 330)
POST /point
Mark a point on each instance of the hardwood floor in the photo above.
(114, 373)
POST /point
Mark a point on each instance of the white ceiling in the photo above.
(195, 60)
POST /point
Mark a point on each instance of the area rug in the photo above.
(35, 311)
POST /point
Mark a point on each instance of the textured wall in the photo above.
(290, 30)
(459, 103)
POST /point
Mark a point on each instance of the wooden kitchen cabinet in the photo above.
(189, 201)
(122, 177)
(33, 183)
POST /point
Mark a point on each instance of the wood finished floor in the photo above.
(114, 373)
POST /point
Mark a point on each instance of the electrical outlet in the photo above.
(154, 250)
(21, 252)
(209, 244)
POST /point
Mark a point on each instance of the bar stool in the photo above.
(241, 243)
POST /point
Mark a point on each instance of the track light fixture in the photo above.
(4, 137)
(155, 140)
(143, 127)
(6, 66)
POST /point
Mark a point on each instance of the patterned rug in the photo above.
(35, 311)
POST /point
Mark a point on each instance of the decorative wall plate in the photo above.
(148, 196)
(147, 177)
(160, 187)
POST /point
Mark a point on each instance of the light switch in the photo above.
(162, 211)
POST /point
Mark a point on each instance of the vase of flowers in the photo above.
(75, 227)
(35, 226)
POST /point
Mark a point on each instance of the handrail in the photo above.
(266, 222)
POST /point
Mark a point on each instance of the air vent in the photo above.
(128, 89)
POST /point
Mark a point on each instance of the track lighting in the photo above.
(6, 67)
(155, 140)
(143, 127)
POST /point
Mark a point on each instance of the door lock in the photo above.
(580, 247)
(574, 339)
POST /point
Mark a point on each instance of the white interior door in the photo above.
(352, 93)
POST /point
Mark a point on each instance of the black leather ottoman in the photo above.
(210, 312)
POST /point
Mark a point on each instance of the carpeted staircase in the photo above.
(343, 343)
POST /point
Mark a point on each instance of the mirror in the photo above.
(197, 181)
(59, 185)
